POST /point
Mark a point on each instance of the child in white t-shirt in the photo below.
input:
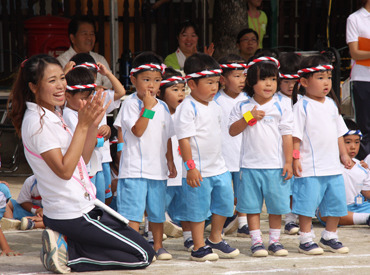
(172, 91)
(289, 65)
(146, 158)
(356, 180)
(206, 180)
(4, 198)
(233, 81)
(266, 157)
(27, 207)
(318, 138)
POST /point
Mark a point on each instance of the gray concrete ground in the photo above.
(357, 238)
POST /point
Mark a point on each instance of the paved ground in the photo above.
(357, 238)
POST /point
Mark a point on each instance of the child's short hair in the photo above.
(81, 58)
(199, 62)
(244, 32)
(231, 58)
(266, 52)
(169, 72)
(146, 58)
(309, 62)
(289, 62)
(260, 70)
(80, 76)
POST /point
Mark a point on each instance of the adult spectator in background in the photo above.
(187, 37)
(358, 40)
(81, 31)
(257, 19)
(247, 43)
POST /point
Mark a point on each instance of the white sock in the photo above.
(305, 237)
(255, 236)
(328, 235)
(187, 235)
(290, 217)
(274, 235)
(150, 236)
(360, 218)
(146, 225)
(242, 220)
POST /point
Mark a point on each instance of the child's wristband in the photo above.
(147, 113)
(296, 154)
(34, 208)
(100, 141)
(249, 118)
(119, 146)
(189, 165)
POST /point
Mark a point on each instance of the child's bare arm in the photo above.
(69, 66)
(5, 247)
(193, 177)
(288, 153)
(344, 157)
(29, 205)
(104, 131)
(119, 90)
(297, 168)
(142, 123)
(170, 163)
(237, 127)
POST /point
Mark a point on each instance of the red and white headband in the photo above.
(81, 87)
(289, 76)
(147, 67)
(234, 66)
(260, 59)
(173, 80)
(87, 65)
(205, 73)
(315, 69)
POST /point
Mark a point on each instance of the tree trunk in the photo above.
(229, 18)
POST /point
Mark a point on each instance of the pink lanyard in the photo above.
(88, 195)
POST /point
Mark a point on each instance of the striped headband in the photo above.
(234, 66)
(87, 65)
(205, 73)
(260, 59)
(315, 69)
(81, 87)
(354, 132)
(147, 67)
(173, 80)
(288, 76)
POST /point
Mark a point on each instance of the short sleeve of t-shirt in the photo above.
(235, 114)
(185, 120)
(25, 193)
(286, 122)
(118, 120)
(299, 120)
(114, 103)
(130, 114)
(341, 126)
(351, 30)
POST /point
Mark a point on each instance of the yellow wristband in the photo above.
(249, 118)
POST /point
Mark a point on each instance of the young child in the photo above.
(356, 180)
(28, 207)
(206, 180)
(233, 80)
(77, 229)
(80, 86)
(172, 91)
(4, 198)
(114, 95)
(318, 143)
(266, 158)
(146, 158)
(289, 65)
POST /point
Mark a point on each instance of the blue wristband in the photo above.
(100, 142)
(119, 146)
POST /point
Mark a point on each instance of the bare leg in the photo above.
(134, 225)
(157, 230)
(217, 226)
(253, 221)
(197, 231)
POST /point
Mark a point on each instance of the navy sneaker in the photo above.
(162, 254)
(27, 224)
(243, 232)
(189, 244)
(277, 249)
(231, 224)
(291, 228)
(223, 249)
(333, 245)
(259, 250)
(310, 248)
(203, 254)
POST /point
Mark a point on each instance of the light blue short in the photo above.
(214, 194)
(107, 179)
(135, 195)
(236, 181)
(326, 193)
(176, 203)
(98, 181)
(18, 211)
(259, 184)
(291, 182)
